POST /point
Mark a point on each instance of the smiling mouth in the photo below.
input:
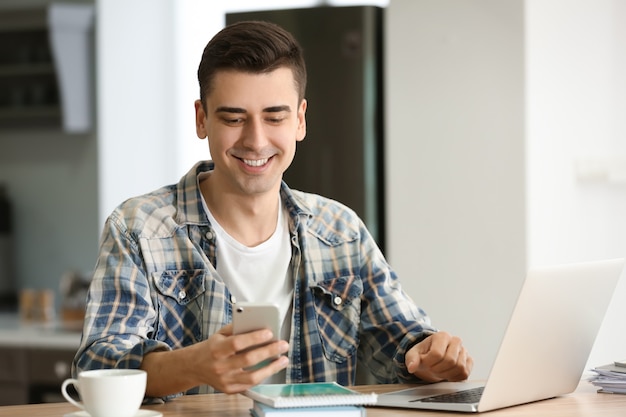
(255, 162)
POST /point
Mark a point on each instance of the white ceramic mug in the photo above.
(108, 392)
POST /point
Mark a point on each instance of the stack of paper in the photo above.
(610, 379)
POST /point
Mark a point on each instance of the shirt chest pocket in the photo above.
(179, 306)
(338, 310)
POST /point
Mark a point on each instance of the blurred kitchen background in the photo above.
(490, 137)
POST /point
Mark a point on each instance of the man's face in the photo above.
(252, 122)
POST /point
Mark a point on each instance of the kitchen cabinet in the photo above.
(46, 371)
(33, 375)
(45, 66)
(35, 359)
(13, 376)
(29, 93)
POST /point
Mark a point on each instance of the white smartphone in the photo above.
(248, 317)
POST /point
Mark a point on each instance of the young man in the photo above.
(174, 262)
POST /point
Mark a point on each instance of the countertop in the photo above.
(54, 334)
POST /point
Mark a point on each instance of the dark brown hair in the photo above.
(254, 47)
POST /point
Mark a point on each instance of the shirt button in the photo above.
(182, 294)
(337, 300)
(209, 235)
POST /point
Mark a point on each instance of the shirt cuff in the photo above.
(404, 376)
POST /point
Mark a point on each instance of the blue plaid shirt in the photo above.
(155, 287)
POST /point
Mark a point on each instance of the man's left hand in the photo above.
(439, 357)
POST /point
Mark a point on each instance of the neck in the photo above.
(251, 220)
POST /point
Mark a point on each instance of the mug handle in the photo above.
(67, 396)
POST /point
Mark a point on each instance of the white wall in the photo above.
(455, 162)
(575, 104)
(490, 107)
(135, 99)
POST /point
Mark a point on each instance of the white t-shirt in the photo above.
(260, 273)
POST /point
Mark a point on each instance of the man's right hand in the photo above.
(223, 361)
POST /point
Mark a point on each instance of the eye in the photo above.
(233, 121)
(276, 119)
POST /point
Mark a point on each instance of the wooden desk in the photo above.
(584, 402)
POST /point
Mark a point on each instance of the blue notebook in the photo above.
(263, 410)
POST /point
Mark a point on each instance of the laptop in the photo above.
(544, 349)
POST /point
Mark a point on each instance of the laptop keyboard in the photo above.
(465, 396)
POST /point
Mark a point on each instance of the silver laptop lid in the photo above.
(546, 344)
(551, 332)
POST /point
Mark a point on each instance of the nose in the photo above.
(254, 135)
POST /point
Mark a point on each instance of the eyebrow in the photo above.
(272, 109)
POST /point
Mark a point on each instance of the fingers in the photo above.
(443, 353)
(237, 362)
(439, 357)
(240, 379)
(256, 357)
(225, 345)
(456, 364)
(243, 342)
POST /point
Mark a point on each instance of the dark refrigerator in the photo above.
(342, 154)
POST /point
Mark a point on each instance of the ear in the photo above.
(200, 120)
(301, 132)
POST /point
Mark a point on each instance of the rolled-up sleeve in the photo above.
(120, 315)
(391, 322)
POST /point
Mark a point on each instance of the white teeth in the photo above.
(255, 162)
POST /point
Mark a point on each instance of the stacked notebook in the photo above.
(308, 400)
